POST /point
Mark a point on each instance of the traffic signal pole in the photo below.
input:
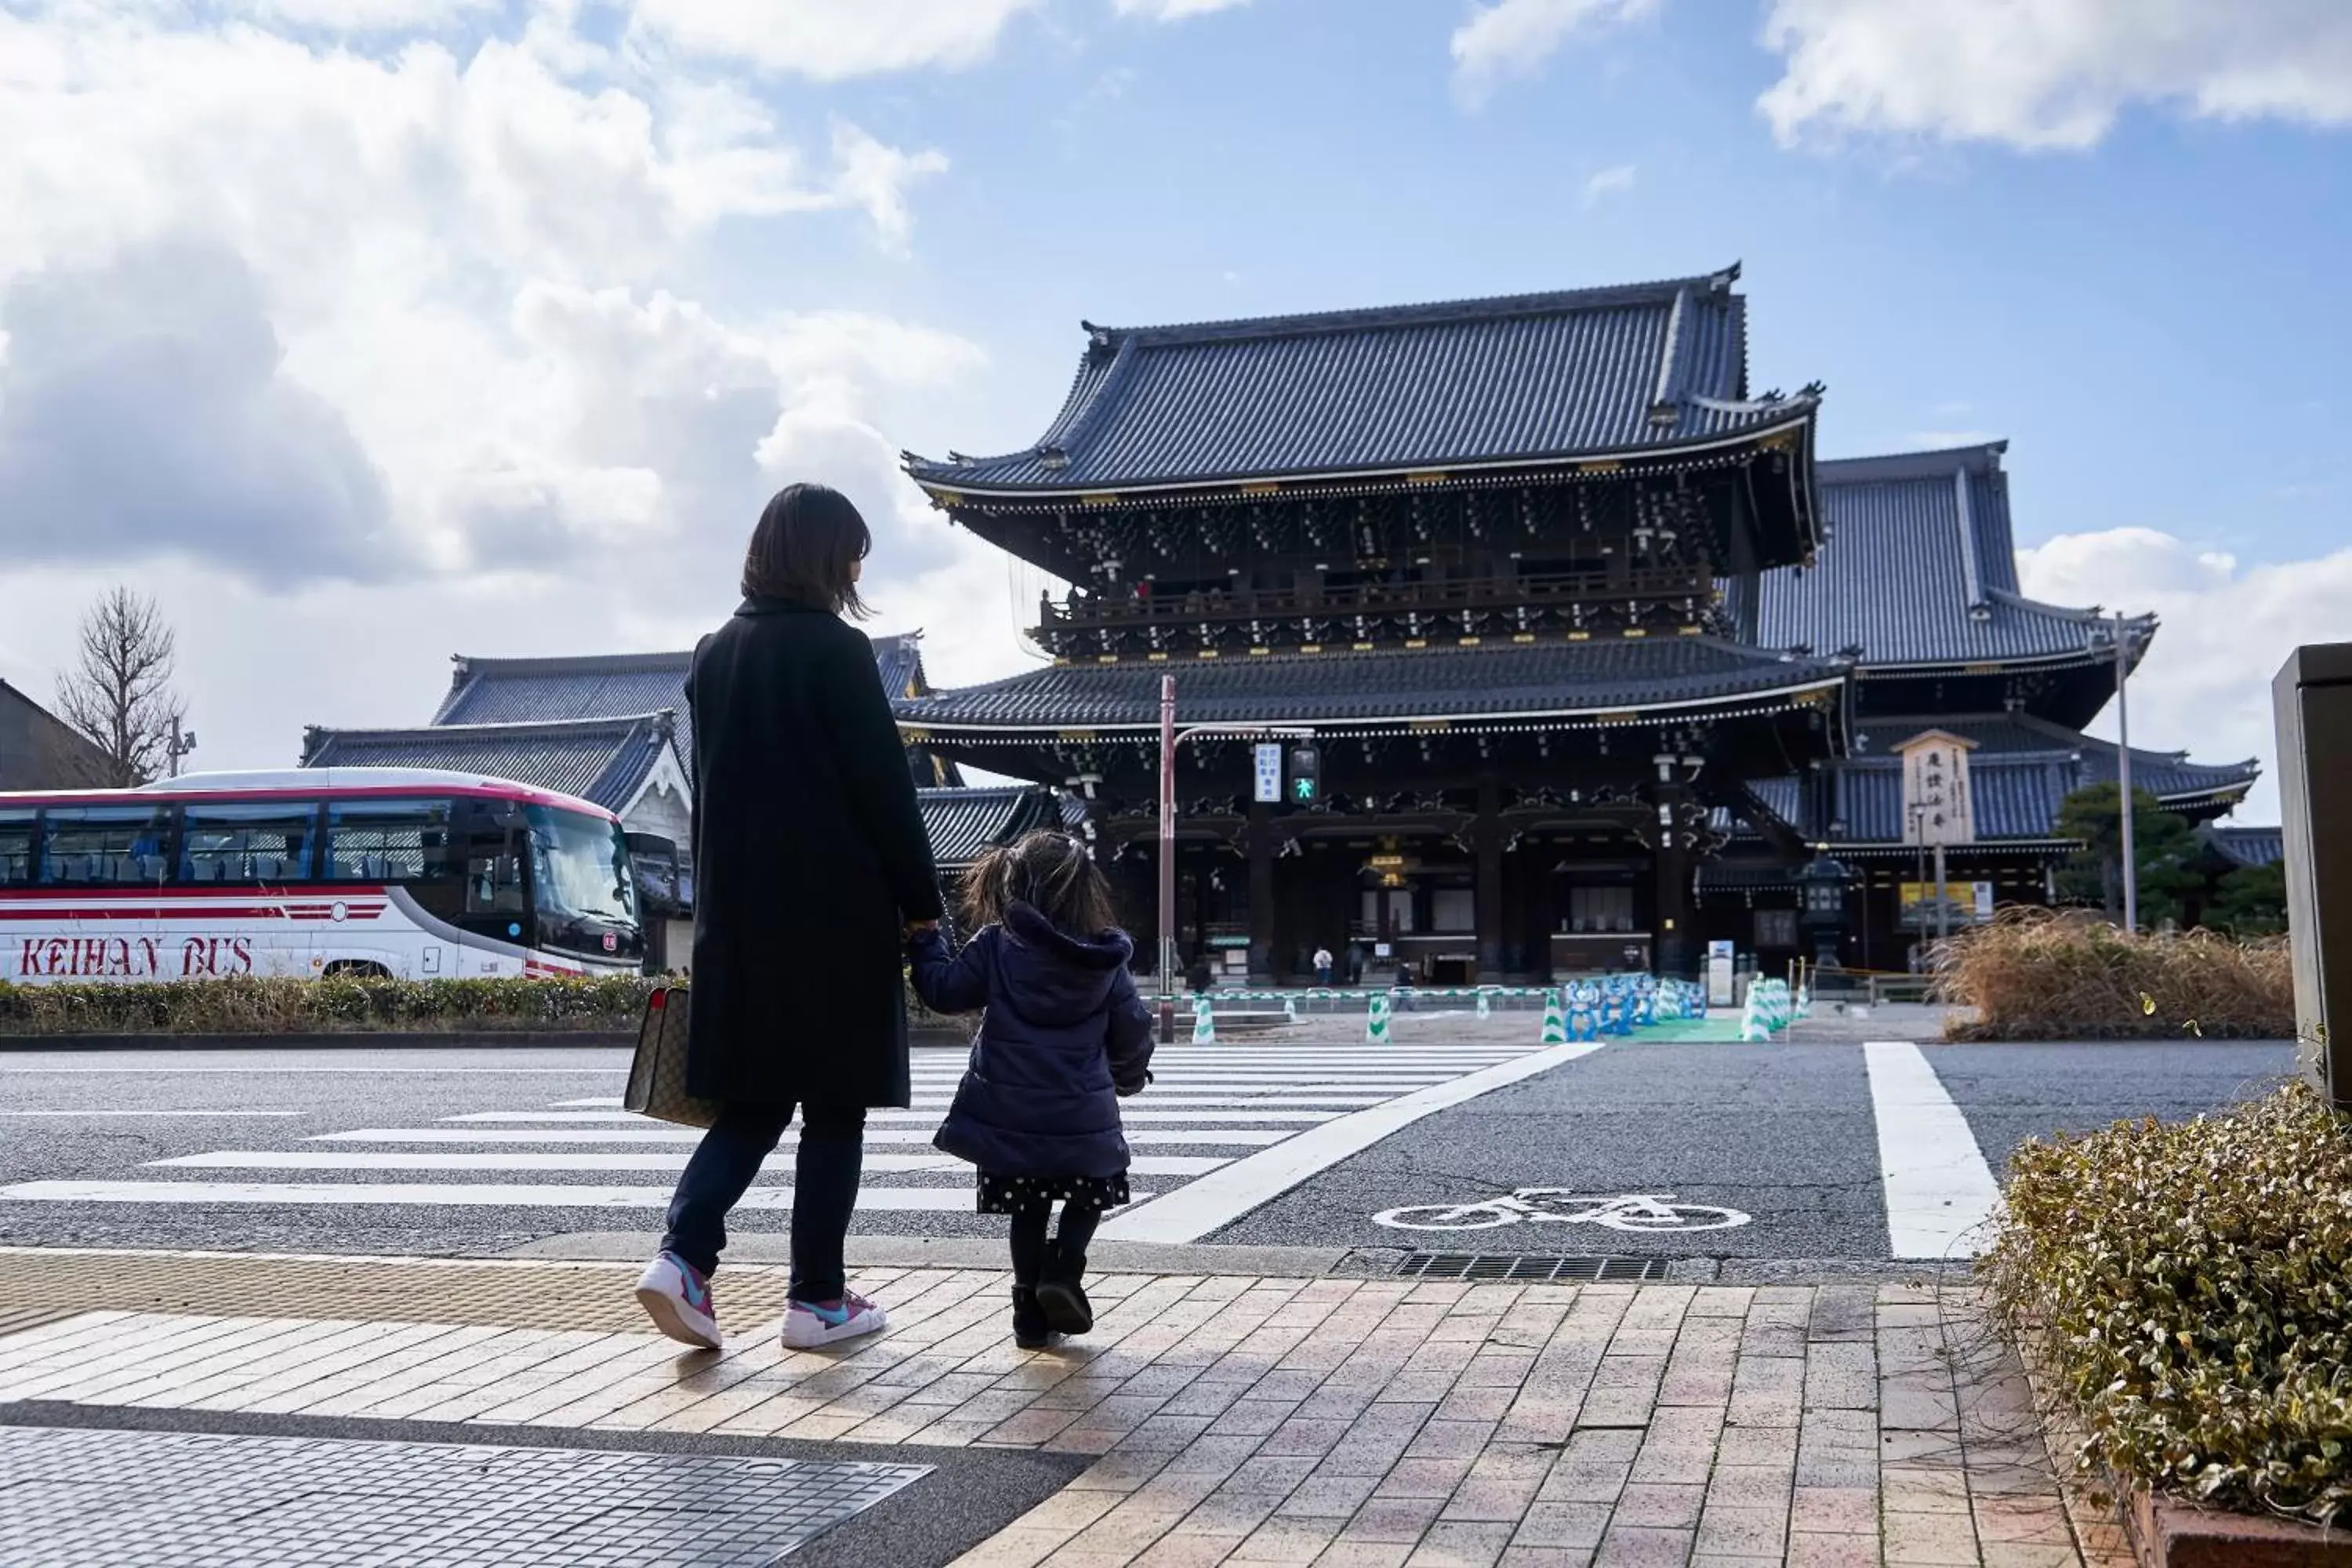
(1170, 739)
(1166, 859)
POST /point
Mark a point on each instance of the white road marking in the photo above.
(956, 1199)
(935, 1108)
(273, 1070)
(655, 1133)
(81, 1113)
(521, 1160)
(1940, 1194)
(1197, 1209)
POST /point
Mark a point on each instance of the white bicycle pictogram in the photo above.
(1640, 1212)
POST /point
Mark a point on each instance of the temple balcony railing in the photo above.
(1646, 599)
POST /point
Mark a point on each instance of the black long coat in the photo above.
(809, 858)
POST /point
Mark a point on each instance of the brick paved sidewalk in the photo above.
(1329, 1421)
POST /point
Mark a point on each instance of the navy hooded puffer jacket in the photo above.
(1063, 1037)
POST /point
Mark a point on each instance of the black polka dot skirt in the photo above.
(1008, 1195)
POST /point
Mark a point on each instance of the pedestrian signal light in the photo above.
(1306, 775)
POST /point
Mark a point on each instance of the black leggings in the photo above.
(1029, 1237)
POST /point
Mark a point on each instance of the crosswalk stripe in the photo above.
(656, 1133)
(933, 1200)
(518, 1159)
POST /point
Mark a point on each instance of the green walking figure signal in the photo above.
(1306, 775)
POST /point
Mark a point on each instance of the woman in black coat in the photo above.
(811, 866)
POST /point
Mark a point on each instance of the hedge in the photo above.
(2031, 975)
(2189, 1285)
(245, 1005)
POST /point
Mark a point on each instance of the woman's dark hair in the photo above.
(806, 545)
(1050, 872)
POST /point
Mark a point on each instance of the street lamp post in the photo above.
(1170, 738)
(2123, 777)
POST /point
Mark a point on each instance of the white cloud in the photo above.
(1609, 181)
(361, 15)
(2051, 73)
(387, 353)
(1515, 37)
(2227, 627)
(1173, 10)
(828, 40)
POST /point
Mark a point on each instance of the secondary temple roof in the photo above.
(1921, 569)
(1553, 680)
(1640, 370)
(605, 760)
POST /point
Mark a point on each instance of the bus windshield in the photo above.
(584, 886)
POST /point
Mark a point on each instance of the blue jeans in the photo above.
(825, 1189)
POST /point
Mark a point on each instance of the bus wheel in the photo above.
(356, 969)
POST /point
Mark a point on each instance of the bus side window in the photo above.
(15, 848)
(119, 846)
(258, 843)
(397, 841)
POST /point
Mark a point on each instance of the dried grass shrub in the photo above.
(2187, 1285)
(2036, 974)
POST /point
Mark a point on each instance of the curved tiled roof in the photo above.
(1649, 367)
(962, 823)
(604, 760)
(1494, 681)
(1920, 567)
(2248, 846)
(605, 686)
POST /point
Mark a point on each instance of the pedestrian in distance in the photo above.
(811, 862)
(1323, 967)
(1199, 977)
(1063, 1039)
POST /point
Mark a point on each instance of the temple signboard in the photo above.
(1937, 805)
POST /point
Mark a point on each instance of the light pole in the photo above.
(1170, 739)
(2123, 777)
(181, 743)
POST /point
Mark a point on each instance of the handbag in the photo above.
(656, 1085)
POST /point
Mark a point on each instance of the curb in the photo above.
(2166, 1533)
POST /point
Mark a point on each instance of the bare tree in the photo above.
(119, 692)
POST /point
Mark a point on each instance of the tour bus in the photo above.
(412, 873)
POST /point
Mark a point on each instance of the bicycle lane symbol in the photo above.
(1645, 1214)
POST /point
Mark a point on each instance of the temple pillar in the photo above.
(1486, 838)
(1673, 945)
(1259, 844)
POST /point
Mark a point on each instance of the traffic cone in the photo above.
(1555, 1024)
(1483, 1006)
(1376, 1022)
(1204, 1022)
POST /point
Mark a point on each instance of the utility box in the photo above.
(2312, 699)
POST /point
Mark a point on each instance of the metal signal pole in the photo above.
(2123, 780)
(1167, 858)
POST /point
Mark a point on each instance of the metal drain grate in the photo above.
(1528, 1266)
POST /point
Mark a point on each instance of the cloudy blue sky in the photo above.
(362, 332)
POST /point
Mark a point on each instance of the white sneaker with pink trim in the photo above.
(811, 1325)
(677, 1297)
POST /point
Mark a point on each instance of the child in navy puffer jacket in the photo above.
(1062, 1037)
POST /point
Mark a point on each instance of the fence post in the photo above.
(1204, 1022)
(1376, 1020)
(2311, 701)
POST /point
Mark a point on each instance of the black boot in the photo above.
(1062, 1292)
(1031, 1332)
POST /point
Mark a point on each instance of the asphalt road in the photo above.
(1788, 1135)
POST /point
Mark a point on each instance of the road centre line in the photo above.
(1940, 1194)
(956, 1199)
(662, 1133)
(367, 1160)
(1216, 1200)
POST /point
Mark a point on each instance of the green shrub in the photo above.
(2189, 1286)
(241, 1006)
(2036, 976)
(250, 1006)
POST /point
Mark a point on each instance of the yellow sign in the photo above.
(1968, 902)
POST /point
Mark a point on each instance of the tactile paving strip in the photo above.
(70, 1498)
(520, 1295)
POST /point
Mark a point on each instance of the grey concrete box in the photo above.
(2312, 699)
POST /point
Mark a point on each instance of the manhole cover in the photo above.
(1528, 1266)
(75, 1497)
